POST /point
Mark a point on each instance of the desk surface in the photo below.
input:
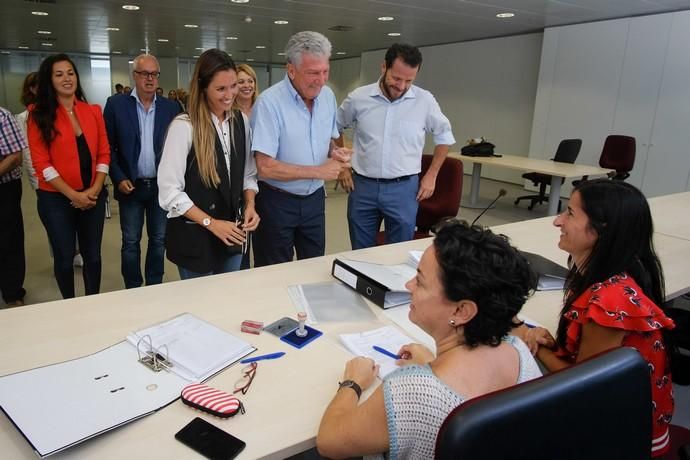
(550, 167)
(671, 214)
(288, 395)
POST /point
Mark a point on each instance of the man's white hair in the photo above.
(308, 42)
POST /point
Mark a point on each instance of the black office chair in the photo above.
(567, 152)
(597, 409)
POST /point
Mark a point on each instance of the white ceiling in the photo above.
(80, 25)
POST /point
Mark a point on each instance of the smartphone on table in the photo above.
(209, 440)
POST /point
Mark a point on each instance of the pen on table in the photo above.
(386, 352)
(262, 357)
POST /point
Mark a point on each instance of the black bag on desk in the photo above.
(482, 149)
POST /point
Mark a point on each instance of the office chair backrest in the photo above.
(445, 201)
(568, 150)
(598, 409)
(619, 154)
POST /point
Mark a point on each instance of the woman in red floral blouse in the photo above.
(613, 293)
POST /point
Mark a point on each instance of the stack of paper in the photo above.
(387, 337)
(196, 348)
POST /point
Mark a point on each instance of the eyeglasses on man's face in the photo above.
(146, 75)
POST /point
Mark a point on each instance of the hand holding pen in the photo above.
(414, 353)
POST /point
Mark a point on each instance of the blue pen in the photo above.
(386, 352)
(262, 357)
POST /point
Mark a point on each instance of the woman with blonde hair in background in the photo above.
(207, 174)
(248, 89)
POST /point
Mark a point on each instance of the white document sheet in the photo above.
(387, 337)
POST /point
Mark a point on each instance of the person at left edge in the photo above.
(13, 265)
(207, 175)
(70, 153)
(136, 125)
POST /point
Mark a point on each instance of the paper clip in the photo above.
(150, 357)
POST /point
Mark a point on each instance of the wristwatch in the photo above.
(206, 221)
(351, 384)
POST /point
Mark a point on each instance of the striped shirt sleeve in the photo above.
(11, 138)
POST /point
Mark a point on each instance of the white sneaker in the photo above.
(78, 261)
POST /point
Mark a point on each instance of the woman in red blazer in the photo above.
(71, 154)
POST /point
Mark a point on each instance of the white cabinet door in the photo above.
(668, 162)
(638, 93)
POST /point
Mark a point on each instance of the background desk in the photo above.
(557, 170)
(671, 214)
(288, 396)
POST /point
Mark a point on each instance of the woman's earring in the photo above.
(451, 322)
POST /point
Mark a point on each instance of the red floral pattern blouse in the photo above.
(620, 303)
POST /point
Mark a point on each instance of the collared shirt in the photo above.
(178, 143)
(11, 141)
(146, 165)
(389, 136)
(284, 129)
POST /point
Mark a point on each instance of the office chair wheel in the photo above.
(516, 201)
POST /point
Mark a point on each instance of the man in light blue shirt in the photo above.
(293, 126)
(390, 119)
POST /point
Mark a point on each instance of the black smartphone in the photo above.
(209, 440)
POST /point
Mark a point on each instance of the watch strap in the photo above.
(351, 384)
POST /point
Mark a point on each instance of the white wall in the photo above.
(626, 76)
(485, 88)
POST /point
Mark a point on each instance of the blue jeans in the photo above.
(143, 201)
(372, 201)
(231, 264)
(62, 222)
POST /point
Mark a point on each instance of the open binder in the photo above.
(382, 284)
(60, 405)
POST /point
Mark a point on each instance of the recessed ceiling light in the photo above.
(280, 22)
(143, 49)
(505, 15)
(130, 7)
(239, 1)
(386, 18)
(47, 44)
(39, 13)
(4, 52)
(341, 52)
(112, 29)
(195, 56)
(44, 32)
(393, 34)
(260, 47)
(231, 38)
(281, 54)
(23, 47)
(191, 26)
(249, 60)
(131, 61)
(200, 49)
(116, 52)
(163, 40)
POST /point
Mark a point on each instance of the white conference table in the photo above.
(671, 214)
(288, 396)
(556, 170)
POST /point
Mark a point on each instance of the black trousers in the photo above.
(12, 262)
(289, 224)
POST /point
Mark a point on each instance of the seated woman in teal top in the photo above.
(470, 284)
